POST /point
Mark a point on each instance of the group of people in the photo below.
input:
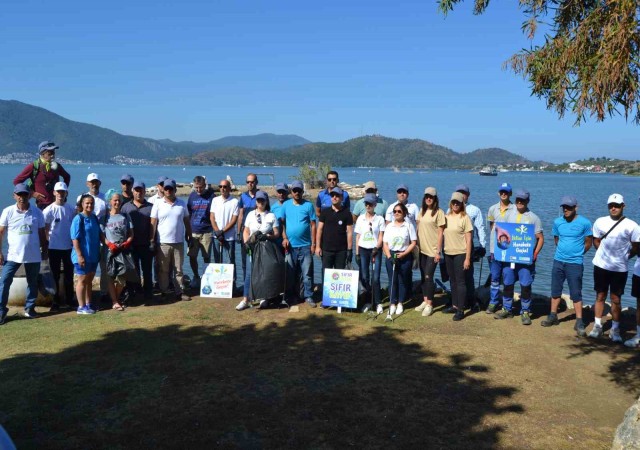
(131, 238)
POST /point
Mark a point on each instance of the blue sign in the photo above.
(340, 288)
(514, 242)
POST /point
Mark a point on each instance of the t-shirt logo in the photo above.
(24, 229)
(397, 241)
(339, 222)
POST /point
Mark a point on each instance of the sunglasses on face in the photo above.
(505, 193)
(370, 191)
(398, 211)
(368, 204)
(456, 203)
(615, 205)
(402, 191)
(251, 181)
(568, 208)
(335, 195)
(297, 191)
(223, 186)
(332, 179)
(428, 196)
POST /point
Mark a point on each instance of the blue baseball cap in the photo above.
(402, 187)
(21, 188)
(262, 195)
(522, 194)
(297, 185)
(281, 187)
(126, 177)
(139, 184)
(371, 198)
(169, 183)
(505, 187)
(568, 200)
(161, 179)
(47, 146)
(463, 188)
(336, 190)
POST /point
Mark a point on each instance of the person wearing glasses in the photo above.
(431, 224)
(458, 243)
(381, 205)
(398, 242)
(262, 223)
(324, 197)
(126, 182)
(573, 237)
(334, 235)
(497, 213)
(224, 216)
(402, 194)
(299, 241)
(616, 239)
(524, 273)
(199, 206)
(369, 229)
(246, 204)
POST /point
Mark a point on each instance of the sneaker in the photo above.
(91, 308)
(263, 304)
(379, 309)
(421, 307)
(30, 313)
(450, 310)
(309, 301)
(596, 332)
(504, 313)
(525, 317)
(3, 316)
(579, 327)
(84, 310)
(183, 297)
(491, 308)
(366, 308)
(459, 315)
(633, 342)
(392, 310)
(244, 304)
(552, 319)
(427, 311)
(399, 309)
(615, 336)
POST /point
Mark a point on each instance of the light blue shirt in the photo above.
(571, 236)
(297, 220)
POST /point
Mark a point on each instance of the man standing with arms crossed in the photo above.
(170, 218)
(299, 242)
(573, 237)
(27, 244)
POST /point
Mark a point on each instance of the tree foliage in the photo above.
(589, 61)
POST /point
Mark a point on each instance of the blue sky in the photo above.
(328, 71)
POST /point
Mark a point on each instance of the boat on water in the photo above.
(488, 171)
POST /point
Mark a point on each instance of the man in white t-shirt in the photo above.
(159, 195)
(27, 244)
(616, 239)
(58, 217)
(170, 219)
(224, 216)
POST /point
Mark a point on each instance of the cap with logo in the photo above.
(463, 188)
(336, 190)
(139, 184)
(505, 187)
(431, 191)
(297, 184)
(93, 177)
(371, 199)
(615, 198)
(568, 200)
(522, 194)
(262, 195)
(60, 186)
(126, 177)
(21, 188)
(46, 146)
(281, 187)
(169, 183)
(402, 187)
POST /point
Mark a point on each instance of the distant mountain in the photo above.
(371, 151)
(23, 127)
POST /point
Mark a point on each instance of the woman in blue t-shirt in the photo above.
(85, 255)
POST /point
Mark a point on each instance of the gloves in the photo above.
(113, 248)
(395, 259)
(239, 237)
(349, 256)
(262, 237)
(218, 234)
(126, 245)
(375, 251)
(152, 247)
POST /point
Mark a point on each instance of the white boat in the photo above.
(488, 171)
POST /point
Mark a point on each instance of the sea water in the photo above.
(546, 189)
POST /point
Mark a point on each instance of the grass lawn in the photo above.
(201, 375)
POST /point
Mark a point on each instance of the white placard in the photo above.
(217, 281)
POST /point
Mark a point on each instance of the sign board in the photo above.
(514, 242)
(340, 288)
(217, 281)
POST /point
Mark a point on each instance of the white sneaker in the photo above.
(615, 336)
(633, 342)
(379, 309)
(399, 309)
(366, 307)
(392, 310)
(244, 304)
(426, 312)
(421, 307)
(596, 332)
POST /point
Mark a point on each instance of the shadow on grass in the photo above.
(298, 384)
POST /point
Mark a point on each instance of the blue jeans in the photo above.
(8, 272)
(400, 287)
(247, 276)
(496, 272)
(525, 273)
(228, 247)
(370, 281)
(298, 262)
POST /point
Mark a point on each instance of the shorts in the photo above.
(635, 286)
(88, 268)
(200, 242)
(606, 280)
(572, 273)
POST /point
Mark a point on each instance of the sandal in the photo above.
(117, 307)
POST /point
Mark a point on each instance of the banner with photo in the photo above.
(340, 288)
(217, 281)
(514, 242)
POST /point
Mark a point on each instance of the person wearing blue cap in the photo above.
(27, 244)
(334, 234)
(282, 195)
(41, 175)
(299, 242)
(381, 205)
(497, 213)
(369, 230)
(573, 238)
(413, 212)
(143, 247)
(126, 182)
(324, 197)
(524, 273)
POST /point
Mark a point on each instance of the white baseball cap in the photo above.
(93, 176)
(60, 186)
(615, 198)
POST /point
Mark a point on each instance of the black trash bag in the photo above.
(267, 271)
(122, 264)
(46, 282)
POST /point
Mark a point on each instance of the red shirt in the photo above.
(42, 178)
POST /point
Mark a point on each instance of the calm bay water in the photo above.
(546, 190)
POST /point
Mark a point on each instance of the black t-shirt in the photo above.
(334, 232)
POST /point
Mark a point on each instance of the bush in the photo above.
(313, 174)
